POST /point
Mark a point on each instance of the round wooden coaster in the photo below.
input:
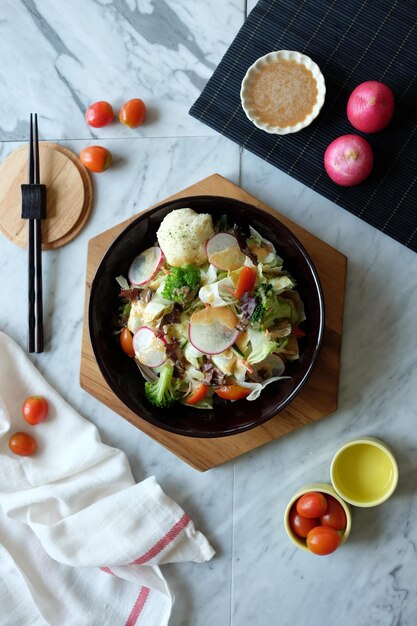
(69, 195)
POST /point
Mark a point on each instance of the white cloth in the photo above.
(80, 542)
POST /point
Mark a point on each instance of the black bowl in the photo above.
(123, 376)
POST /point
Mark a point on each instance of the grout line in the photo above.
(93, 139)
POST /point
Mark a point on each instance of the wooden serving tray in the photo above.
(317, 398)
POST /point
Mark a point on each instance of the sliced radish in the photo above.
(213, 330)
(145, 266)
(149, 349)
(224, 252)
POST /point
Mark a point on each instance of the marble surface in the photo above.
(60, 56)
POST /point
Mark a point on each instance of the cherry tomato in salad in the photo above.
(322, 540)
(312, 504)
(126, 341)
(298, 332)
(301, 526)
(99, 114)
(197, 394)
(22, 444)
(35, 409)
(335, 516)
(233, 392)
(96, 158)
(133, 113)
(246, 281)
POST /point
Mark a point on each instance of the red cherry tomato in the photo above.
(126, 341)
(35, 409)
(22, 444)
(233, 392)
(335, 516)
(298, 332)
(312, 504)
(246, 282)
(322, 540)
(301, 526)
(96, 158)
(99, 114)
(198, 394)
(133, 113)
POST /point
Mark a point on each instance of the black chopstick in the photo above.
(31, 255)
(38, 253)
(33, 210)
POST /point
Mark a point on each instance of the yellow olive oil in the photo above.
(364, 472)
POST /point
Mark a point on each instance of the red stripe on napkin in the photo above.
(164, 542)
(107, 570)
(138, 606)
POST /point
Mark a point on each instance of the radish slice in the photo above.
(145, 266)
(213, 330)
(224, 252)
(149, 349)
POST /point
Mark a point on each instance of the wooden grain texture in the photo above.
(69, 195)
(318, 397)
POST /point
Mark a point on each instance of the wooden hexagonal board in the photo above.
(317, 398)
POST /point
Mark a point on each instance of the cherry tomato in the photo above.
(133, 113)
(99, 114)
(335, 516)
(198, 394)
(322, 540)
(126, 341)
(312, 504)
(246, 282)
(301, 526)
(22, 444)
(35, 409)
(96, 158)
(233, 392)
(298, 332)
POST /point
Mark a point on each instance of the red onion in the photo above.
(349, 160)
(370, 107)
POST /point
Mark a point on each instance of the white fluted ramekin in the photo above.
(287, 55)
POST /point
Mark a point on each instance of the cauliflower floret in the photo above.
(182, 236)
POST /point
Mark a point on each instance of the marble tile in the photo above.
(70, 54)
(145, 171)
(377, 397)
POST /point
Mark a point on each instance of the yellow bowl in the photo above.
(322, 488)
(364, 472)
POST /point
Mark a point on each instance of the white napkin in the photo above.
(80, 542)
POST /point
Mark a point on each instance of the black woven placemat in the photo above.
(352, 41)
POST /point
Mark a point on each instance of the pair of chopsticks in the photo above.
(34, 210)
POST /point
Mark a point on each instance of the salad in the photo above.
(208, 311)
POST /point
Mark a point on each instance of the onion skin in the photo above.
(348, 160)
(370, 107)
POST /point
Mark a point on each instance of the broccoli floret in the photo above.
(162, 392)
(124, 312)
(269, 308)
(181, 283)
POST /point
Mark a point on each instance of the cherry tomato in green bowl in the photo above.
(312, 504)
(298, 527)
(322, 540)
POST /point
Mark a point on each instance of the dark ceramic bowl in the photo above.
(123, 376)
